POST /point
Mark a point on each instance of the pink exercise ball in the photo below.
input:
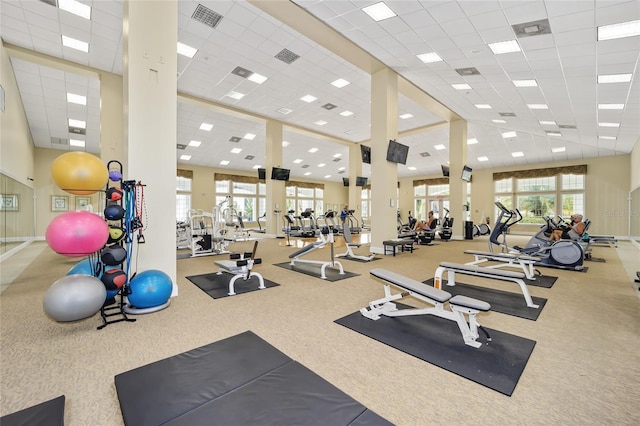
(77, 234)
(79, 173)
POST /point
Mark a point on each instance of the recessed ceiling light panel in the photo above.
(379, 11)
(501, 47)
(620, 30)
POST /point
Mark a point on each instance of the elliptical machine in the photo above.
(482, 229)
(563, 254)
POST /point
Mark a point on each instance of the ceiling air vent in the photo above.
(468, 71)
(206, 16)
(234, 139)
(59, 141)
(329, 106)
(507, 114)
(532, 28)
(77, 130)
(566, 126)
(286, 56)
(249, 157)
(181, 146)
(341, 172)
(305, 166)
(50, 2)
(425, 154)
(335, 160)
(239, 71)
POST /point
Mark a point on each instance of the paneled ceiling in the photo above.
(558, 51)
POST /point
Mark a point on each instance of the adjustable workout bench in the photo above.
(452, 268)
(459, 305)
(241, 265)
(326, 236)
(515, 260)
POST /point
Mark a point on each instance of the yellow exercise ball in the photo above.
(79, 173)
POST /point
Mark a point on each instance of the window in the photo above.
(305, 196)
(538, 197)
(245, 197)
(365, 204)
(183, 198)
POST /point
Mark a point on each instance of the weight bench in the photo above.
(459, 305)
(452, 268)
(507, 259)
(326, 236)
(241, 265)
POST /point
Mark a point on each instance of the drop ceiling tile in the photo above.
(520, 12)
(615, 13)
(446, 12)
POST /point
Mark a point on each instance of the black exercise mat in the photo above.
(357, 260)
(217, 286)
(596, 259)
(238, 380)
(545, 281)
(49, 413)
(313, 269)
(183, 255)
(504, 302)
(497, 365)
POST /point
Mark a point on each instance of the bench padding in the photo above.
(479, 270)
(411, 285)
(468, 302)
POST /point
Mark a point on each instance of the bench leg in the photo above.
(527, 296)
(469, 330)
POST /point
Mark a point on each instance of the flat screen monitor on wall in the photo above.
(397, 153)
(445, 170)
(279, 174)
(262, 174)
(466, 173)
(361, 181)
(345, 181)
(365, 151)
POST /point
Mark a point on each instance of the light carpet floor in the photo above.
(584, 370)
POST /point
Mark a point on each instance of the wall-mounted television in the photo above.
(365, 151)
(445, 170)
(262, 174)
(466, 173)
(397, 153)
(279, 174)
(361, 181)
(345, 181)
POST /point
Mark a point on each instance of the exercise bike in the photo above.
(563, 254)
(446, 230)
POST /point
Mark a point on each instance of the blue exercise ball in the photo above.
(149, 289)
(82, 267)
(74, 297)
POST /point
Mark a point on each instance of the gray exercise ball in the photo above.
(74, 297)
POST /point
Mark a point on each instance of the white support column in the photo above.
(276, 199)
(457, 187)
(150, 102)
(355, 170)
(384, 175)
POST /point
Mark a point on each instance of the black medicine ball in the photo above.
(113, 255)
(114, 193)
(114, 279)
(114, 212)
